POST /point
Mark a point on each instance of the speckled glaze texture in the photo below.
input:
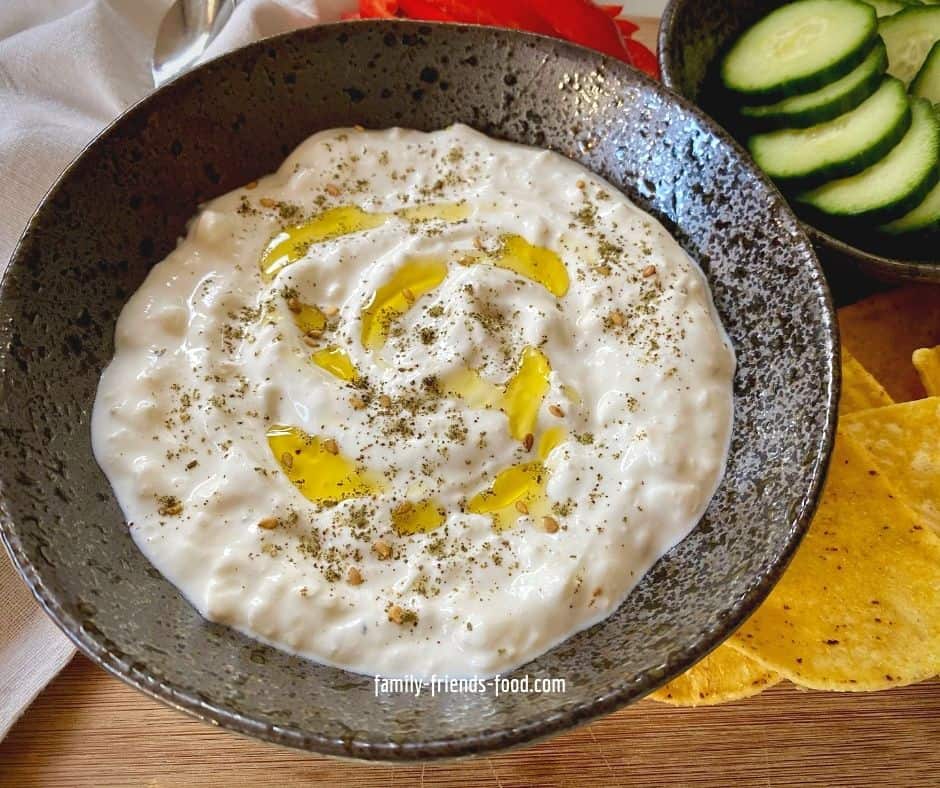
(693, 34)
(120, 208)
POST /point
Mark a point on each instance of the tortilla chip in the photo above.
(724, 675)
(859, 606)
(860, 390)
(927, 363)
(904, 441)
(884, 330)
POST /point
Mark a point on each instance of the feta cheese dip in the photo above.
(416, 403)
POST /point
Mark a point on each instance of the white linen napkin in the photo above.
(32, 648)
(67, 68)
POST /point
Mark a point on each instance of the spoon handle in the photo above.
(186, 31)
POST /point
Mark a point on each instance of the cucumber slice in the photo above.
(927, 82)
(909, 35)
(826, 103)
(798, 48)
(886, 7)
(925, 216)
(892, 187)
(840, 147)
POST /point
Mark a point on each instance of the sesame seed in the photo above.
(310, 341)
(528, 441)
(550, 524)
(287, 459)
(409, 296)
(354, 576)
(382, 549)
(332, 189)
(251, 185)
(267, 202)
(396, 614)
(268, 523)
(649, 271)
(616, 317)
(293, 304)
(521, 507)
(556, 411)
(330, 311)
(330, 445)
(385, 401)
(357, 403)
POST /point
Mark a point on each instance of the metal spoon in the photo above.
(186, 31)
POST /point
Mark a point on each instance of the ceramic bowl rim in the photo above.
(629, 689)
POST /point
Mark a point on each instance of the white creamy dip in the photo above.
(416, 403)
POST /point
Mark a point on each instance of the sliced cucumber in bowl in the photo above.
(891, 187)
(845, 121)
(836, 98)
(909, 36)
(799, 48)
(840, 147)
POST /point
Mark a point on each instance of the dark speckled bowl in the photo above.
(120, 208)
(693, 35)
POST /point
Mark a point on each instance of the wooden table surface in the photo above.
(89, 729)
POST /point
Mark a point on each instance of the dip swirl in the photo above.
(416, 403)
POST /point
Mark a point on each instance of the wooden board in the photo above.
(89, 729)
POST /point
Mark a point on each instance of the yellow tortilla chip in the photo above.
(904, 441)
(724, 675)
(859, 606)
(883, 331)
(927, 363)
(860, 390)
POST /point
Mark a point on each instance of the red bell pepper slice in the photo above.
(516, 14)
(643, 58)
(626, 27)
(580, 21)
(377, 9)
(424, 10)
(584, 23)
